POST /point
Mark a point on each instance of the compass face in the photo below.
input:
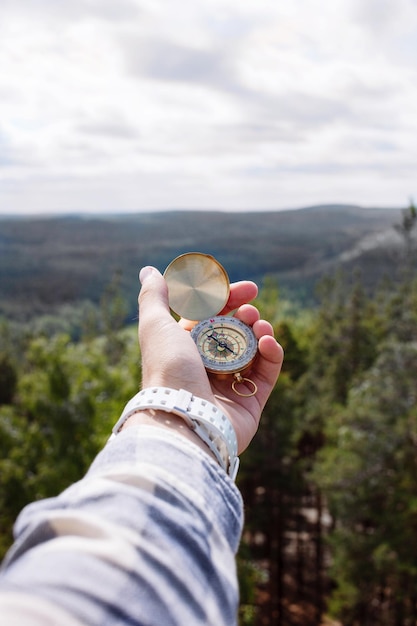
(226, 344)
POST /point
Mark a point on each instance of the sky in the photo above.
(144, 105)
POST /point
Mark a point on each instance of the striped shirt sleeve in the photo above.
(147, 537)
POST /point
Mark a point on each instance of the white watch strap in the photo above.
(203, 417)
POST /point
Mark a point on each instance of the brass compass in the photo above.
(199, 288)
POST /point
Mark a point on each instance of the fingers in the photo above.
(240, 293)
(153, 287)
(273, 353)
(268, 365)
(247, 314)
(153, 300)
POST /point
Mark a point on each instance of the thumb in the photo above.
(153, 298)
(169, 355)
(154, 287)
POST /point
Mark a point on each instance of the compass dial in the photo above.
(226, 344)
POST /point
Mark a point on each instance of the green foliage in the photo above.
(272, 482)
(342, 420)
(368, 470)
(250, 576)
(406, 229)
(67, 398)
(8, 379)
(330, 481)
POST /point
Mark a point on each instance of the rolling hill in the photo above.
(49, 261)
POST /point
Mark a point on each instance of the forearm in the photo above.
(147, 537)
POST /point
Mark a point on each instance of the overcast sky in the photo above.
(136, 105)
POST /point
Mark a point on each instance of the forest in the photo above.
(47, 263)
(330, 480)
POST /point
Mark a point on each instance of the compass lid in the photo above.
(198, 286)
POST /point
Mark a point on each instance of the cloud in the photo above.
(76, 10)
(112, 128)
(230, 104)
(167, 61)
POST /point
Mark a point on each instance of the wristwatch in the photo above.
(203, 417)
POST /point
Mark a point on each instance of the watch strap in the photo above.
(203, 417)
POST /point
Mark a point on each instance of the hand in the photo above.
(170, 357)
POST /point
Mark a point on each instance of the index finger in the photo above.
(242, 292)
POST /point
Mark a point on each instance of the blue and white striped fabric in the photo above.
(147, 537)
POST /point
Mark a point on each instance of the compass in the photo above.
(198, 290)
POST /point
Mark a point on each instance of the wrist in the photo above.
(169, 421)
(204, 419)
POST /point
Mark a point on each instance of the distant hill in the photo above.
(49, 261)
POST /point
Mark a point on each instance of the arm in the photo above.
(150, 534)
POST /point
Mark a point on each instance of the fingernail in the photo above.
(145, 272)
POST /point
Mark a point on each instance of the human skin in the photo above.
(170, 359)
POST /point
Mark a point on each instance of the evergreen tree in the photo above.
(368, 470)
(8, 379)
(272, 483)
